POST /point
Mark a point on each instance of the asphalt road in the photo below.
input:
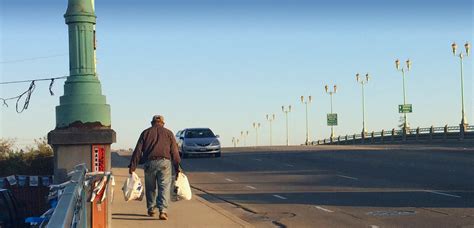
(341, 186)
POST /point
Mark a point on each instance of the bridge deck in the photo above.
(194, 213)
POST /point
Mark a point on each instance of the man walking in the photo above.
(156, 148)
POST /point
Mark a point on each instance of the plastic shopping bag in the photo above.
(132, 188)
(182, 188)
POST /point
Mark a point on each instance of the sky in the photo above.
(226, 64)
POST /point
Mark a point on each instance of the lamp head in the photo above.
(468, 48)
(310, 99)
(408, 64)
(302, 99)
(335, 88)
(367, 77)
(326, 88)
(454, 47)
(397, 64)
(357, 77)
(289, 108)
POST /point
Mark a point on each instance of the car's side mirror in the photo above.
(217, 136)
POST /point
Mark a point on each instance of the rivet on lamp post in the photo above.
(306, 102)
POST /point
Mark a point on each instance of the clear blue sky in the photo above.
(225, 64)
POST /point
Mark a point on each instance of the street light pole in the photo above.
(256, 126)
(286, 111)
(306, 103)
(363, 82)
(331, 93)
(408, 66)
(461, 56)
(235, 141)
(270, 119)
(244, 135)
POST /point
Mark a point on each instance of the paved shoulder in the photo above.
(193, 213)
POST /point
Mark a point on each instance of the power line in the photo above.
(27, 94)
(24, 81)
(32, 59)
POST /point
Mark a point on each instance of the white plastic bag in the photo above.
(182, 188)
(132, 188)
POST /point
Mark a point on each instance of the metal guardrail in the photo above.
(393, 135)
(71, 210)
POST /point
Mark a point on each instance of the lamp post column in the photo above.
(306, 103)
(286, 111)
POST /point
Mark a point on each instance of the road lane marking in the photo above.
(442, 193)
(279, 197)
(374, 226)
(323, 209)
(230, 180)
(289, 165)
(212, 173)
(348, 177)
(257, 159)
(251, 187)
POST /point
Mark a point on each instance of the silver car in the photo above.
(195, 141)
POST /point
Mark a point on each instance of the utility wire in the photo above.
(27, 94)
(32, 59)
(24, 81)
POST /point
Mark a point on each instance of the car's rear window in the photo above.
(199, 133)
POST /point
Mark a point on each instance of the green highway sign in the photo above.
(407, 108)
(332, 119)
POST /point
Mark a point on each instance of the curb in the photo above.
(221, 211)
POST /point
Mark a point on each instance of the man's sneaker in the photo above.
(151, 212)
(163, 216)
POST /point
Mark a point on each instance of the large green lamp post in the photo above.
(461, 56)
(83, 131)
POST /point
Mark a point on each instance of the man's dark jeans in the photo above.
(158, 172)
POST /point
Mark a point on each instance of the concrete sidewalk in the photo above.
(193, 213)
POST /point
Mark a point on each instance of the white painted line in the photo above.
(374, 226)
(289, 165)
(323, 209)
(348, 177)
(230, 180)
(212, 173)
(256, 159)
(279, 197)
(442, 193)
(251, 187)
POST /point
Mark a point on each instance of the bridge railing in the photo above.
(71, 210)
(74, 198)
(417, 134)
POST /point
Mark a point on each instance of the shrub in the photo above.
(36, 160)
